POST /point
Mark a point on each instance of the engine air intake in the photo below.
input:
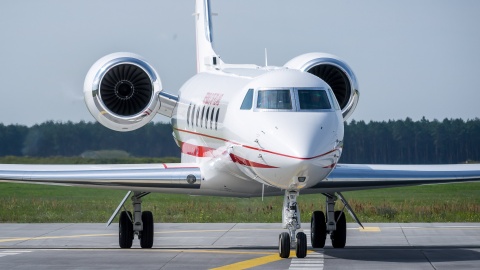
(126, 89)
(337, 80)
(121, 91)
(336, 73)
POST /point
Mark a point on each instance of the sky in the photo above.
(412, 58)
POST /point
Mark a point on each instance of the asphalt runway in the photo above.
(238, 246)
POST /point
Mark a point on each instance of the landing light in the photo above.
(302, 179)
(191, 179)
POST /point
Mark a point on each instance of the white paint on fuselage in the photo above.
(281, 145)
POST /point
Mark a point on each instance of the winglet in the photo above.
(207, 58)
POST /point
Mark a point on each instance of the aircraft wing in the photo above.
(349, 177)
(136, 177)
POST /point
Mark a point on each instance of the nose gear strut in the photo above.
(291, 221)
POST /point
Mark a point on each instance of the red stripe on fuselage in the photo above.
(196, 150)
(330, 166)
(249, 163)
(202, 151)
(254, 148)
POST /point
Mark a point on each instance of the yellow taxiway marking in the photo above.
(366, 229)
(218, 230)
(254, 262)
(112, 234)
(250, 263)
(216, 251)
(369, 229)
(51, 237)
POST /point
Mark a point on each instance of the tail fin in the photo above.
(207, 58)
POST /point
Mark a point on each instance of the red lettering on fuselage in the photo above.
(212, 99)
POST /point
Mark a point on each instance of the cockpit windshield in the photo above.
(313, 100)
(294, 99)
(274, 99)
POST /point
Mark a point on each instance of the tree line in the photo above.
(412, 142)
(386, 142)
(73, 139)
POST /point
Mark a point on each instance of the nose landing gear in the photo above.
(291, 221)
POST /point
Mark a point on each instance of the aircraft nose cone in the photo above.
(300, 146)
(303, 137)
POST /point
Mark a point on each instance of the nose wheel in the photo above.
(301, 249)
(284, 245)
(291, 221)
(300, 245)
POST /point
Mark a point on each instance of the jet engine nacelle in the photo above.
(336, 73)
(121, 91)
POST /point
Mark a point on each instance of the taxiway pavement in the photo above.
(238, 246)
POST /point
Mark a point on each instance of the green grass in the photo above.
(40, 203)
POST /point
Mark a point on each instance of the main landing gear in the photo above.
(140, 223)
(334, 223)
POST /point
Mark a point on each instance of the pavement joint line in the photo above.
(405, 237)
(57, 229)
(226, 231)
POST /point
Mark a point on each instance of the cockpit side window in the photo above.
(274, 99)
(313, 100)
(247, 101)
(333, 99)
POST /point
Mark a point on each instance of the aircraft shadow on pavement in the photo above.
(406, 254)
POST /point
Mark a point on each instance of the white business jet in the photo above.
(243, 131)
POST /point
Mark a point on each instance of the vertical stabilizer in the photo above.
(207, 59)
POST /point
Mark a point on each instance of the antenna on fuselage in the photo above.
(266, 58)
(207, 58)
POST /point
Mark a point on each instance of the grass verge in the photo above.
(39, 203)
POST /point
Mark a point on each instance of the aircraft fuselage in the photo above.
(240, 143)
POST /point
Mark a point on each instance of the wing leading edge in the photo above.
(349, 177)
(138, 177)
